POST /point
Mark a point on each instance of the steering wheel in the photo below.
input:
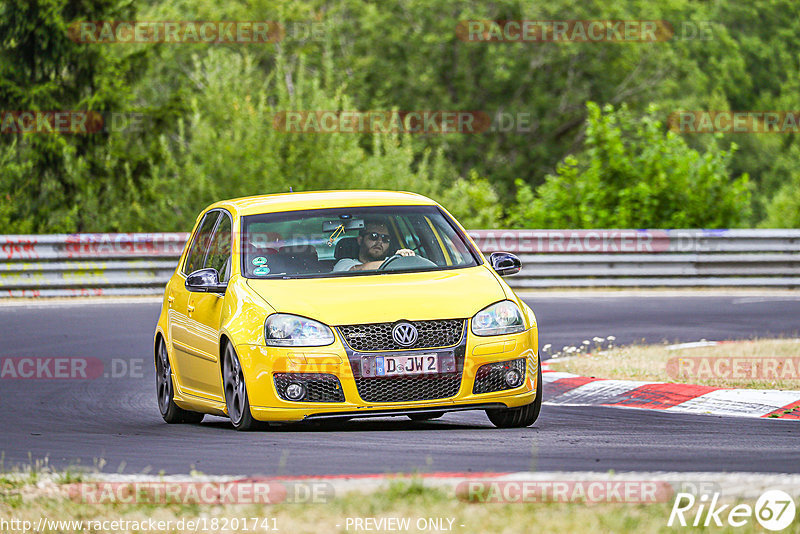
(388, 261)
(398, 261)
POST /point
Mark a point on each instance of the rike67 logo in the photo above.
(774, 510)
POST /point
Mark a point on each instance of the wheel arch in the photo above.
(224, 339)
(159, 338)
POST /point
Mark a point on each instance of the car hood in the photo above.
(451, 294)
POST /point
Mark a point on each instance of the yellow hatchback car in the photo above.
(342, 304)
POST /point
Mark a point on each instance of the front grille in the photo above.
(378, 336)
(489, 377)
(403, 389)
(320, 387)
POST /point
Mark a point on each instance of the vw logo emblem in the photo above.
(404, 334)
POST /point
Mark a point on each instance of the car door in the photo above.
(204, 311)
(181, 323)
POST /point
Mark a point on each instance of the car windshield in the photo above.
(352, 241)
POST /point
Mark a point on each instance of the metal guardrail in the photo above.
(649, 258)
(87, 264)
(141, 264)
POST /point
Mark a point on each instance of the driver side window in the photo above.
(219, 252)
(202, 237)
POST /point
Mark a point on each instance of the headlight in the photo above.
(500, 318)
(284, 330)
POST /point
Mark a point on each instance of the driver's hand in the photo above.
(405, 252)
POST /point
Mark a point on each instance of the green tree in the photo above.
(230, 146)
(631, 174)
(49, 178)
(782, 209)
(388, 54)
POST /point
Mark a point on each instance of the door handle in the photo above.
(190, 308)
(170, 300)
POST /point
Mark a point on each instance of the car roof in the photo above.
(320, 199)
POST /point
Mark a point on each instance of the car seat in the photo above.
(302, 259)
(346, 247)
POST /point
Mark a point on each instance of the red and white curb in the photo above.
(567, 389)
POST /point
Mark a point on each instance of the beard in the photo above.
(376, 253)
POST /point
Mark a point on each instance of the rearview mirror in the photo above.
(349, 224)
(205, 281)
(505, 263)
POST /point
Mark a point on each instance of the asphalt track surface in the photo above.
(114, 424)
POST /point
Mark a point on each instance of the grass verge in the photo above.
(407, 500)
(758, 364)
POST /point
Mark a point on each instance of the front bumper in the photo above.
(260, 364)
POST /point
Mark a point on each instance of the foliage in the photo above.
(230, 146)
(783, 210)
(209, 107)
(631, 175)
(49, 178)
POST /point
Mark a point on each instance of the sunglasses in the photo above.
(374, 236)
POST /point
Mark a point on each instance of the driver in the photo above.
(373, 244)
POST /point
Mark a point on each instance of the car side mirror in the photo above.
(505, 263)
(205, 281)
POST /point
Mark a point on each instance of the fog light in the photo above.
(513, 378)
(295, 391)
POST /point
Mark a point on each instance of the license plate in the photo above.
(417, 364)
(400, 364)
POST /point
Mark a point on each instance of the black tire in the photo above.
(236, 398)
(165, 391)
(521, 416)
(425, 416)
